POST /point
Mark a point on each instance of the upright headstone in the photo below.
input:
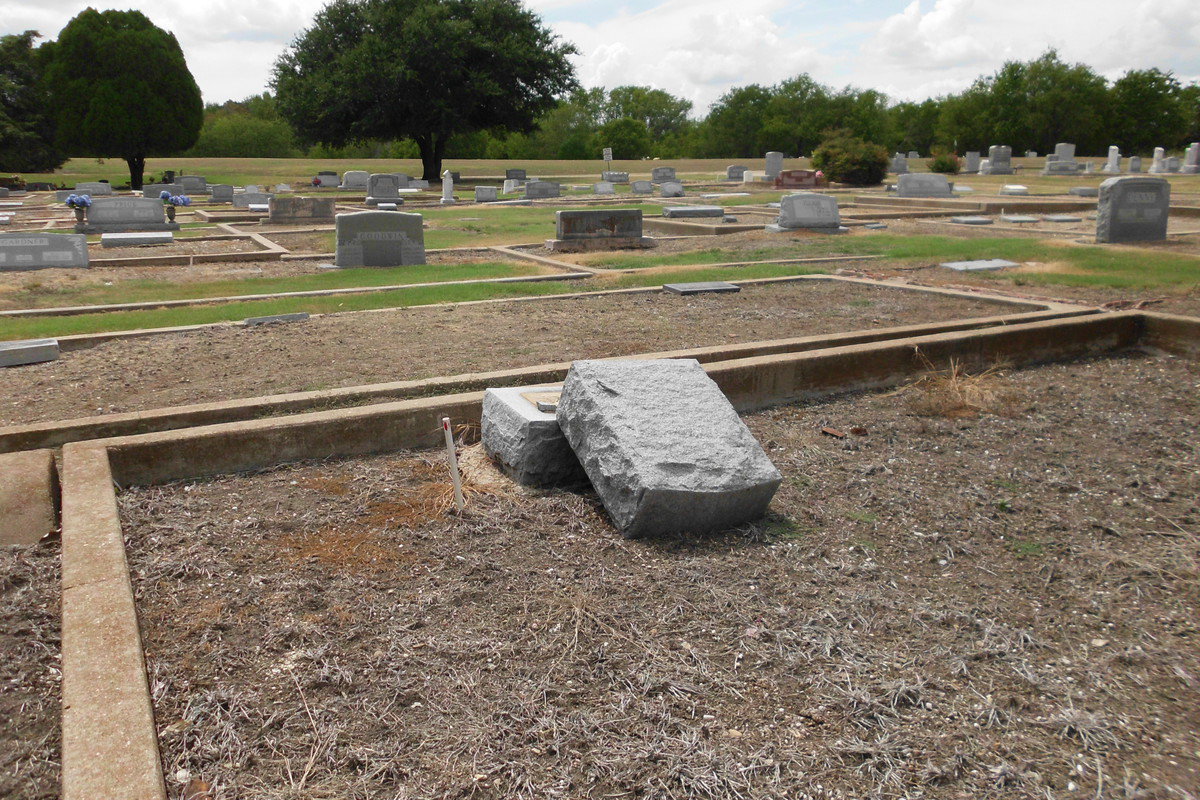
(774, 164)
(899, 164)
(284, 187)
(972, 161)
(999, 161)
(511, 185)
(1031, 154)
(734, 172)
(515, 175)
(671, 189)
(221, 193)
(155, 190)
(1064, 151)
(1133, 209)
(191, 184)
(1191, 159)
(447, 188)
(1173, 164)
(660, 174)
(30, 250)
(251, 188)
(615, 177)
(486, 194)
(95, 188)
(289, 210)
(1060, 167)
(116, 214)
(642, 187)
(379, 239)
(355, 180)
(383, 186)
(808, 211)
(1113, 165)
(1159, 165)
(606, 224)
(913, 154)
(247, 199)
(663, 447)
(923, 184)
(540, 190)
(1135, 164)
(603, 188)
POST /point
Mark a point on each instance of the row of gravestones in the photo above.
(1062, 161)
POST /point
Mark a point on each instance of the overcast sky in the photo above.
(698, 49)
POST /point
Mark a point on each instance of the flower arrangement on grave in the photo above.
(316, 182)
(173, 201)
(80, 203)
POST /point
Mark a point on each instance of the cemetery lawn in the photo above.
(954, 604)
(136, 291)
(338, 350)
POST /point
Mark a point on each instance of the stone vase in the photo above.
(79, 215)
(170, 213)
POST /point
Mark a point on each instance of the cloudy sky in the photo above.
(700, 48)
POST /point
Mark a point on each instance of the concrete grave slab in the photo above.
(525, 439)
(971, 220)
(1019, 219)
(251, 322)
(980, 265)
(1062, 218)
(28, 351)
(136, 238)
(676, 212)
(1014, 189)
(701, 287)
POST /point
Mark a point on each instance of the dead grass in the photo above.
(956, 394)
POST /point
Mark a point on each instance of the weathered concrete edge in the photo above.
(54, 434)
(1172, 333)
(110, 744)
(751, 383)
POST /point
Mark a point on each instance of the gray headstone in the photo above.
(247, 199)
(809, 210)
(604, 188)
(27, 251)
(417, 183)
(615, 177)
(355, 179)
(1014, 189)
(191, 184)
(113, 213)
(1065, 151)
(1061, 168)
(511, 185)
(155, 190)
(1019, 219)
(251, 189)
(285, 210)
(598, 224)
(383, 186)
(899, 164)
(913, 154)
(923, 184)
(94, 189)
(221, 193)
(539, 190)
(660, 174)
(487, 194)
(972, 220)
(1191, 159)
(516, 175)
(774, 164)
(527, 442)
(1135, 163)
(1159, 164)
(999, 161)
(671, 189)
(642, 187)
(1113, 164)
(1133, 209)
(735, 172)
(972, 161)
(663, 447)
(672, 212)
(326, 181)
(701, 287)
(4, 191)
(28, 351)
(379, 239)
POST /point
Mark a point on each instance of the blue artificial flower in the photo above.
(164, 194)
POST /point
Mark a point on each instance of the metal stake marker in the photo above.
(458, 495)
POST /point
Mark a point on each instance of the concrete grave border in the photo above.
(110, 745)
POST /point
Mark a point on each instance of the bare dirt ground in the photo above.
(181, 247)
(946, 606)
(201, 273)
(30, 672)
(351, 349)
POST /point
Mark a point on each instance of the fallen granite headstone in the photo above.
(526, 440)
(663, 447)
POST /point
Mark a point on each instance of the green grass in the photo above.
(1027, 548)
(1085, 265)
(149, 290)
(40, 327)
(712, 255)
(478, 225)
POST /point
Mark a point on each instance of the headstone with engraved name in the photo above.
(516, 175)
(972, 161)
(540, 190)
(29, 251)
(379, 239)
(923, 184)
(1159, 164)
(1113, 165)
(247, 199)
(774, 164)
(155, 190)
(288, 210)
(808, 211)
(221, 193)
(603, 188)
(899, 164)
(642, 187)
(116, 214)
(355, 180)
(383, 186)
(487, 194)
(615, 177)
(660, 174)
(999, 161)
(1133, 209)
(94, 188)
(191, 184)
(734, 172)
(671, 189)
